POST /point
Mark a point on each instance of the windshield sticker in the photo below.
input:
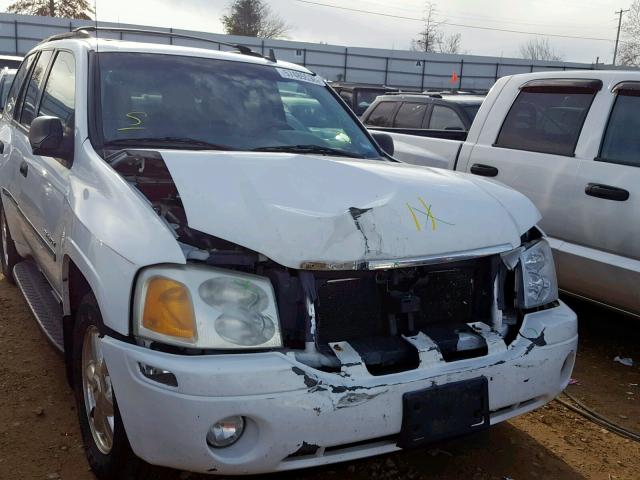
(136, 119)
(301, 76)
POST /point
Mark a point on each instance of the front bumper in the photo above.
(289, 405)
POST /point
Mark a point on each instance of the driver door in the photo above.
(46, 179)
(534, 150)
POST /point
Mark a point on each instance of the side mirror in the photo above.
(46, 137)
(384, 141)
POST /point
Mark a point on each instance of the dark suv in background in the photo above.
(414, 112)
(360, 95)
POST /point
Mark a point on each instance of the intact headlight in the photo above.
(206, 307)
(537, 280)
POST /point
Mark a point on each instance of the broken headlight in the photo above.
(206, 307)
(537, 282)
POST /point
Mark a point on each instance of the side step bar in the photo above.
(41, 300)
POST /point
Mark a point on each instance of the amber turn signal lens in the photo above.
(168, 309)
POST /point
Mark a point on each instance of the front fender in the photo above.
(112, 233)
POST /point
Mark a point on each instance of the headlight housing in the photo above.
(537, 281)
(206, 307)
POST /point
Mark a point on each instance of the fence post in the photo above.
(386, 70)
(346, 56)
(15, 33)
(461, 73)
(304, 57)
(497, 70)
(70, 26)
(531, 70)
(424, 64)
(262, 47)
(170, 35)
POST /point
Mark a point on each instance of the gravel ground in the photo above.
(39, 436)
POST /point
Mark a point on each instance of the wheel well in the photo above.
(77, 288)
(77, 285)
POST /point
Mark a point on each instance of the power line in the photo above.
(401, 17)
(454, 13)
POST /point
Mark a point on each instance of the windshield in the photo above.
(171, 101)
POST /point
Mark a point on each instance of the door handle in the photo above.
(24, 169)
(484, 170)
(607, 192)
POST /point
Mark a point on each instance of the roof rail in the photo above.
(420, 94)
(77, 33)
(83, 32)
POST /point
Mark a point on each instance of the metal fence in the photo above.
(396, 68)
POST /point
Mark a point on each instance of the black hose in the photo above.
(581, 409)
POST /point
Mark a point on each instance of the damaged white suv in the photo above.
(242, 281)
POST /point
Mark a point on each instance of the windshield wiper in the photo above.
(167, 142)
(308, 149)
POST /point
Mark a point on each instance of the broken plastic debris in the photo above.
(573, 381)
(624, 361)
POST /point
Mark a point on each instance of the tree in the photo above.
(431, 39)
(450, 43)
(430, 36)
(629, 49)
(539, 48)
(53, 8)
(253, 18)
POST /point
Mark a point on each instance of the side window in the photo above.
(410, 115)
(18, 81)
(445, 118)
(382, 115)
(58, 99)
(29, 104)
(545, 121)
(621, 140)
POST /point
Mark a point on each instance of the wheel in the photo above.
(9, 256)
(106, 445)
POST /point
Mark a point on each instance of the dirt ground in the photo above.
(39, 436)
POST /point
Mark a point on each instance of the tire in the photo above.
(109, 456)
(8, 254)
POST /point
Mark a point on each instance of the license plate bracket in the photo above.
(444, 411)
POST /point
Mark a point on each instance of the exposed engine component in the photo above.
(376, 312)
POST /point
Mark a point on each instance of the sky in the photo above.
(595, 19)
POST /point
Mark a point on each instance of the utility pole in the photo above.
(615, 52)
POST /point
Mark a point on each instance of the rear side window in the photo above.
(34, 89)
(18, 81)
(410, 115)
(382, 115)
(445, 118)
(58, 99)
(621, 140)
(546, 119)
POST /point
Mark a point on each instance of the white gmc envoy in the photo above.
(243, 281)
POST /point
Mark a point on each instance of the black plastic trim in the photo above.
(630, 89)
(460, 135)
(563, 85)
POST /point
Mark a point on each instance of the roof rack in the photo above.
(420, 94)
(83, 32)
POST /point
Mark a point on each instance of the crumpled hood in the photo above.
(297, 209)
